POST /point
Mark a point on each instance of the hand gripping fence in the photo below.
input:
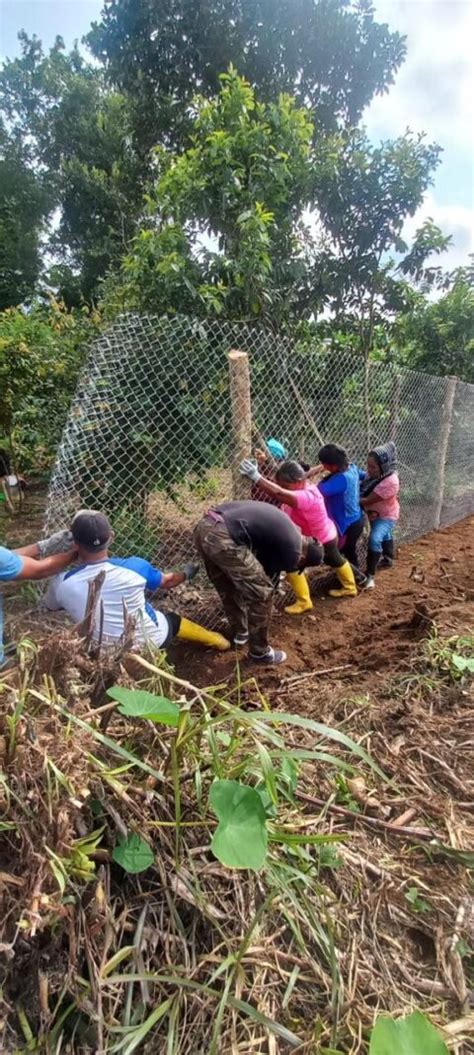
(166, 408)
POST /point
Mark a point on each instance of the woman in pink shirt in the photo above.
(304, 504)
(379, 491)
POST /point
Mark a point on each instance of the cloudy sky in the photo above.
(434, 91)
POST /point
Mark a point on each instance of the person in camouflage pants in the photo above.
(245, 547)
(245, 590)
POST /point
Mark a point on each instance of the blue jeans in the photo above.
(381, 530)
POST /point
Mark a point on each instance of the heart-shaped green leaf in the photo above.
(463, 663)
(135, 703)
(133, 854)
(240, 840)
(413, 1035)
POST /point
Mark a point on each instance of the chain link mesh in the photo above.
(149, 435)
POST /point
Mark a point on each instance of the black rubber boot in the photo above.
(372, 562)
(388, 553)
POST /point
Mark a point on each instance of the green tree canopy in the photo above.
(25, 201)
(75, 136)
(256, 220)
(224, 232)
(332, 55)
(438, 336)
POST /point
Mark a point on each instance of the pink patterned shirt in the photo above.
(386, 493)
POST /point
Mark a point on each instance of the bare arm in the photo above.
(29, 551)
(171, 579)
(316, 470)
(369, 501)
(271, 488)
(42, 569)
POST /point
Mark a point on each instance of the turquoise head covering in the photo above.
(277, 450)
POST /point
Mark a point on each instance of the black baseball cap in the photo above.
(91, 529)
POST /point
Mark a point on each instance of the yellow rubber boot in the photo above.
(299, 584)
(347, 581)
(189, 631)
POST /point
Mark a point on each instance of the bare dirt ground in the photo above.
(433, 578)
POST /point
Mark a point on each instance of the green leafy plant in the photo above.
(463, 664)
(413, 1035)
(240, 840)
(133, 854)
(135, 703)
(417, 902)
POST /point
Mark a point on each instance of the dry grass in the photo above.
(191, 957)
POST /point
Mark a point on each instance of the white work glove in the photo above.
(249, 468)
(60, 542)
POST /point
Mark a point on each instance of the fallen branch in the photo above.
(314, 674)
(373, 822)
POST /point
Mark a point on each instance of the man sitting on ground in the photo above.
(126, 579)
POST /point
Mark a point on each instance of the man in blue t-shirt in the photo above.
(29, 563)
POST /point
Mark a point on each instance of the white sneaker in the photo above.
(369, 583)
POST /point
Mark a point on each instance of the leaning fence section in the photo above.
(163, 413)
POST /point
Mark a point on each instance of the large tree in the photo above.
(332, 55)
(25, 201)
(256, 220)
(364, 195)
(224, 232)
(75, 135)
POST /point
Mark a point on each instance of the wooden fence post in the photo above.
(446, 423)
(241, 409)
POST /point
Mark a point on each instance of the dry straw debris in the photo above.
(363, 903)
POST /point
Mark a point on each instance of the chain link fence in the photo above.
(153, 434)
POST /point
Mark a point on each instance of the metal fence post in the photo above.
(241, 409)
(446, 422)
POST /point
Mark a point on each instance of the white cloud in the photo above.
(434, 93)
(434, 90)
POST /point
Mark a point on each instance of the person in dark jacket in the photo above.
(245, 547)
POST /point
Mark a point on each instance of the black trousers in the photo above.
(332, 556)
(351, 538)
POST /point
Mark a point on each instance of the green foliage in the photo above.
(73, 134)
(452, 656)
(332, 56)
(438, 336)
(417, 902)
(413, 1035)
(240, 840)
(364, 194)
(245, 182)
(41, 353)
(135, 703)
(133, 854)
(25, 201)
(463, 664)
